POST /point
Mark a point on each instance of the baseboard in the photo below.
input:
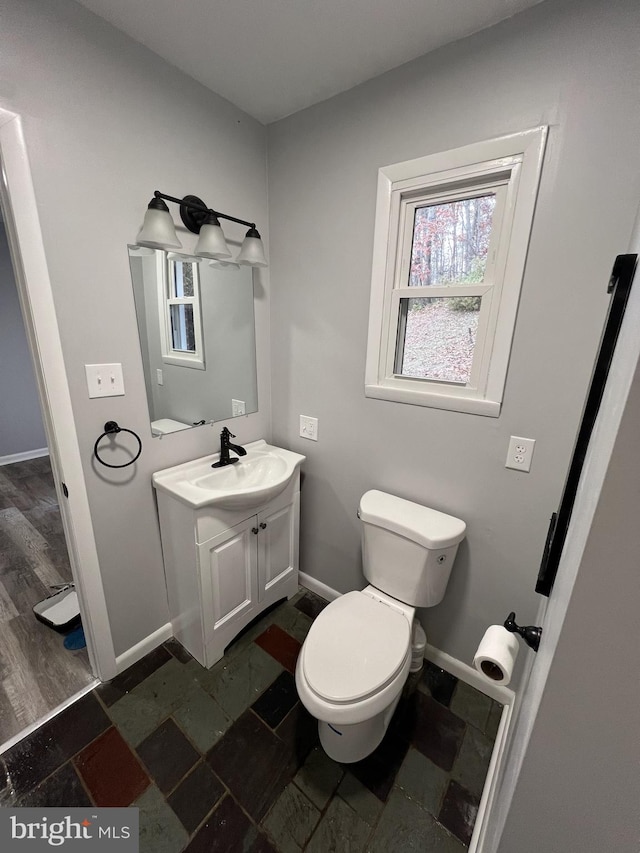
(494, 773)
(137, 652)
(318, 587)
(506, 697)
(468, 674)
(22, 457)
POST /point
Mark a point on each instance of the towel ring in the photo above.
(111, 428)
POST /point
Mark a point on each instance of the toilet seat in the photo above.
(355, 648)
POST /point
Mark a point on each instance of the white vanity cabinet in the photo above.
(223, 567)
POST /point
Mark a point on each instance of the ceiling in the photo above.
(274, 57)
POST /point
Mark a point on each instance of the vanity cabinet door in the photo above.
(277, 546)
(228, 571)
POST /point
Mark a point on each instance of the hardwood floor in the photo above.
(36, 672)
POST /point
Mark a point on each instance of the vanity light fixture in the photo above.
(252, 251)
(212, 243)
(158, 230)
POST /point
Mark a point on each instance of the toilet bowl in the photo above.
(356, 657)
(352, 668)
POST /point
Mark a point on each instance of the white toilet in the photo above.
(355, 660)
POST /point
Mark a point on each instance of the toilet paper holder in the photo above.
(530, 634)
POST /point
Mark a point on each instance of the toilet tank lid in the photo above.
(428, 527)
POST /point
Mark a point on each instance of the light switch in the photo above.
(104, 380)
(159, 377)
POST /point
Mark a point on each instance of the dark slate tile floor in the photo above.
(228, 759)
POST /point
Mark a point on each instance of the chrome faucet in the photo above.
(225, 447)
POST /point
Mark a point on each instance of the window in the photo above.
(450, 245)
(180, 321)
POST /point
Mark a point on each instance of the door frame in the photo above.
(552, 611)
(20, 213)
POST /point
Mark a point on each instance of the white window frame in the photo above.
(510, 166)
(180, 358)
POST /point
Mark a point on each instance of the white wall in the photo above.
(21, 428)
(579, 787)
(572, 65)
(106, 123)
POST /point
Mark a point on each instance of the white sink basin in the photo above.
(255, 479)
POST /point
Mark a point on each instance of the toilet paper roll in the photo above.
(497, 654)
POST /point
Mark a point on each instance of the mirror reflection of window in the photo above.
(184, 273)
(183, 337)
(182, 276)
(183, 344)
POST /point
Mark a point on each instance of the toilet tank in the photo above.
(408, 549)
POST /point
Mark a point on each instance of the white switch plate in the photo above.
(159, 377)
(520, 453)
(309, 427)
(238, 408)
(104, 380)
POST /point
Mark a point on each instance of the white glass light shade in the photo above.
(252, 251)
(158, 230)
(212, 243)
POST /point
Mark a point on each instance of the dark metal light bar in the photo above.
(191, 203)
(158, 230)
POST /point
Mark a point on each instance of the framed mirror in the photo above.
(197, 337)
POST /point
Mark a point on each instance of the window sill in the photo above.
(177, 361)
(451, 402)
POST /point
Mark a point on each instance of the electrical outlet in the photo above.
(309, 427)
(520, 453)
(237, 408)
(104, 380)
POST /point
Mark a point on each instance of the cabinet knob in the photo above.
(254, 529)
(263, 524)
